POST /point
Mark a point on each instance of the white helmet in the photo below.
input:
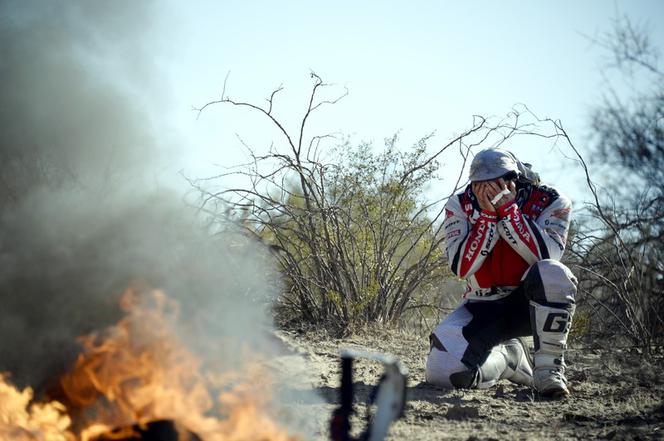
(492, 164)
(496, 163)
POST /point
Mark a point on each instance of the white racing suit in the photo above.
(516, 287)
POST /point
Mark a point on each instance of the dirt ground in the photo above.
(619, 396)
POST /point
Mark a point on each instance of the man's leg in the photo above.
(447, 345)
(551, 288)
(468, 348)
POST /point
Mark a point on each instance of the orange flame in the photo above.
(21, 422)
(136, 372)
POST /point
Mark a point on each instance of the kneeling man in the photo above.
(505, 234)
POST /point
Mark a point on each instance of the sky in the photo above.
(409, 67)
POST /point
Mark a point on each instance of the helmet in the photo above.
(492, 164)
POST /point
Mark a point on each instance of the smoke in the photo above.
(68, 112)
(79, 216)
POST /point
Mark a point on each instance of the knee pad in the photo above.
(549, 282)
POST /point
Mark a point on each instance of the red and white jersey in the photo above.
(492, 250)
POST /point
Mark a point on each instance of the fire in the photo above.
(137, 372)
(21, 422)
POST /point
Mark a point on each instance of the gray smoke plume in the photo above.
(68, 115)
(78, 220)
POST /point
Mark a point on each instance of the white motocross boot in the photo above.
(552, 326)
(519, 363)
(551, 288)
(509, 360)
(550, 381)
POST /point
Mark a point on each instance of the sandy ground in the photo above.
(618, 396)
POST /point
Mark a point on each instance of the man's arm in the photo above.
(467, 244)
(544, 238)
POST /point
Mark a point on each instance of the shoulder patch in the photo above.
(468, 202)
(549, 190)
(540, 198)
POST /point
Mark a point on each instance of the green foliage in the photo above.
(362, 251)
(581, 325)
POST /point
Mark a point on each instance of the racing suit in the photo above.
(516, 285)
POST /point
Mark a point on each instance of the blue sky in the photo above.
(414, 67)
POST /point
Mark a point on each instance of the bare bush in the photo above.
(618, 248)
(355, 239)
